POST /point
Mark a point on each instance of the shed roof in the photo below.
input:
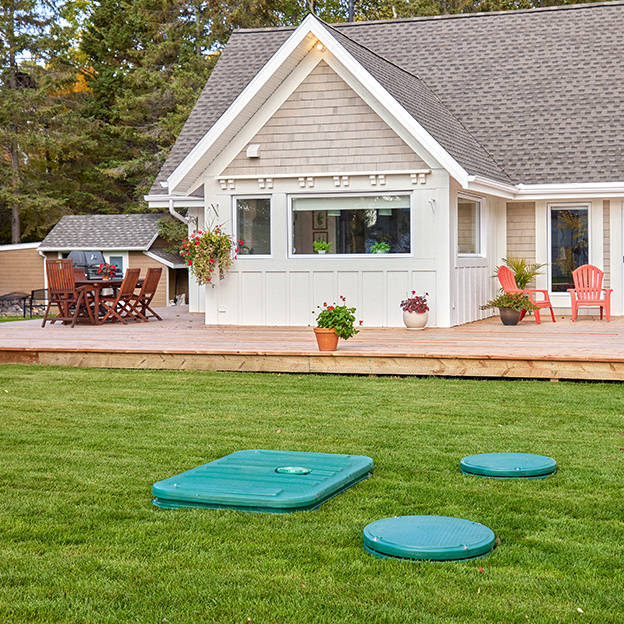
(529, 96)
(101, 232)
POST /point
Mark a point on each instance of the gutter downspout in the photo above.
(177, 215)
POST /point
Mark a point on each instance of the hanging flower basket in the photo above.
(208, 251)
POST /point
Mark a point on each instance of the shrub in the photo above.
(515, 301)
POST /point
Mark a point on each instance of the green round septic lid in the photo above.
(438, 538)
(296, 470)
(509, 465)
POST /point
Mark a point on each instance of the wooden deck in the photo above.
(588, 349)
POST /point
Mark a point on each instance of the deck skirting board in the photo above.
(335, 363)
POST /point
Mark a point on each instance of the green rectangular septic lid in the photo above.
(261, 480)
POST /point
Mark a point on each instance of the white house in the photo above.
(456, 140)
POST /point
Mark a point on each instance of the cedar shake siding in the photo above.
(21, 270)
(325, 126)
(521, 231)
(138, 260)
(606, 242)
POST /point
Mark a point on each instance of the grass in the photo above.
(8, 319)
(81, 541)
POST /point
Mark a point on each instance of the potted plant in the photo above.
(511, 307)
(333, 322)
(524, 272)
(321, 247)
(415, 310)
(205, 252)
(107, 271)
(380, 247)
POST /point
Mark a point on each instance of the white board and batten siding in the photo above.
(472, 281)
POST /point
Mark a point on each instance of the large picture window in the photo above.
(569, 244)
(367, 224)
(253, 225)
(468, 226)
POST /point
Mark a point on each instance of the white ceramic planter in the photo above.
(321, 251)
(415, 320)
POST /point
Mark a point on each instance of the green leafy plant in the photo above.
(340, 318)
(514, 301)
(321, 245)
(205, 252)
(173, 231)
(380, 247)
(524, 272)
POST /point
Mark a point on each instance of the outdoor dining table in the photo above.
(97, 285)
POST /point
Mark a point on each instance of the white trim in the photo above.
(312, 26)
(323, 174)
(234, 222)
(17, 246)
(290, 234)
(153, 256)
(590, 250)
(96, 248)
(571, 190)
(482, 253)
(181, 201)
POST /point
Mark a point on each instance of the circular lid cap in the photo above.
(428, 537)
(296, 470)
(508, 465)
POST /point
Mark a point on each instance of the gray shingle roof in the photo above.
(173, 259)
(99, 232)
(537, 94)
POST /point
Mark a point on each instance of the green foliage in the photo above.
(173, 231)
(204, 252)
(82, 543)
(320, 245)
(524, 272)
(340, 318)
(514, 301)
(380, 247)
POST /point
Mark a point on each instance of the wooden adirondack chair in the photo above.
(72, 302)
(508, 284)
(588, 291)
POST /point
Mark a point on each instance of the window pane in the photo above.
(468, 226)
(569, 249)
(352, 225)
(253, 225)
(117, 261)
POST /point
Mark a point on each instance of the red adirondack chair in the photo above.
(588, 291)
(508, 284)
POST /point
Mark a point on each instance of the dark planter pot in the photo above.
(509, 316)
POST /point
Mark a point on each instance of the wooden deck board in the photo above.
(588, 349)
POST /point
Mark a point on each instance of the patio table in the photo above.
(97, 286)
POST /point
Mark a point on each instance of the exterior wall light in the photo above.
(319, 46)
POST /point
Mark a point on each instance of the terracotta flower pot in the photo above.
(509, 316)
(415, 320)
(327, 339)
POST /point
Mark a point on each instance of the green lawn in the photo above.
(81, 542)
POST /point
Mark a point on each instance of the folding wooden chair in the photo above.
(79, 274)
(118, 307)
(140, 306)
(72, 302)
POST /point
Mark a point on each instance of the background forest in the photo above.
(94, 92)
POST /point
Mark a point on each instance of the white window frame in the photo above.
(235, 198)
(559, 206)
(125, 257)
(482, 253)
(324, 257)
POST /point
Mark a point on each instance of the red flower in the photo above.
(211, 260)
(324, 304)
(240, 242)
(189, 262)
(413, 292)
(360, 322)
(330, 308)
(342, 298)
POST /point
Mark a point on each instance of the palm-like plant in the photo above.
(524, 272)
